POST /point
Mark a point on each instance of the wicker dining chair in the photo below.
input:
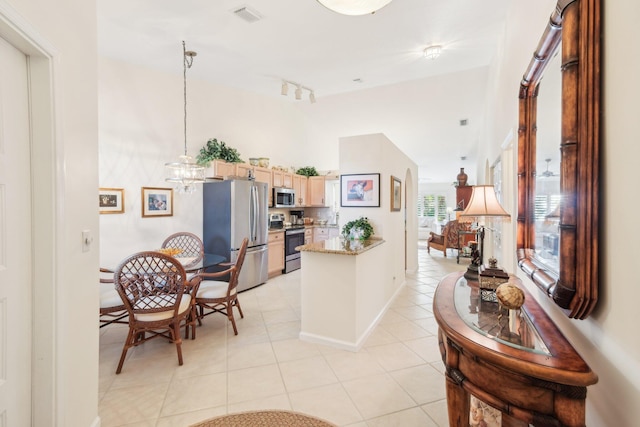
(191, 246)
(156, 294)
(215, 296)
(112, 309)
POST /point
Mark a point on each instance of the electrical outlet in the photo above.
(87, 239)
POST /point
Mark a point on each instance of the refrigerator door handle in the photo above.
(253, 216)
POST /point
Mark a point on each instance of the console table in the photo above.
(521, 369)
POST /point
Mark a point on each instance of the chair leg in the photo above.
(237, 304)
(175, 332)
(127, 344)
(230, 316)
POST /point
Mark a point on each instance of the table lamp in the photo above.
(483, 204)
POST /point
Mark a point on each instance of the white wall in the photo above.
(66, 372)
(376, 153)
(141, 128)
(608, 340)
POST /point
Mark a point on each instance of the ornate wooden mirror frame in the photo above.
(575, 286)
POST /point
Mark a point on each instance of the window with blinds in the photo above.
(433, 206)
(545, 204)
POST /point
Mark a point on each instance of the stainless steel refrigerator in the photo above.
(232, 210)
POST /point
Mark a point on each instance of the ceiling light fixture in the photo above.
(185, 173)
(432, 52)
(298, 92)
(354, 7)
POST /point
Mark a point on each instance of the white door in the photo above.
(15, 240)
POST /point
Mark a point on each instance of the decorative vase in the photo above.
(462, 178)
(356, 234)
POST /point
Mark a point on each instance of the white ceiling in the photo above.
(301, 41)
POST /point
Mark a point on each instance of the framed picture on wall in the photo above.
(360, 190)
(111, 200)
(157, 202)
(396, 194)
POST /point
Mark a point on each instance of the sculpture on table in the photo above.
(472, 270)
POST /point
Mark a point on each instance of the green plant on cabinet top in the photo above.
(214, 150)
(362, 226)
(307, 171)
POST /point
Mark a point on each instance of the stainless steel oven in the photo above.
(293, 237)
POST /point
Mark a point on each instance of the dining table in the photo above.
(207, 261)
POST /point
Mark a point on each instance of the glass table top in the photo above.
(509, 327)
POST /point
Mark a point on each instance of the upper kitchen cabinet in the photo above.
(323, 191)
(219, 169)
(300, 189)
(282, 179)
(316, 191)
(260, 175)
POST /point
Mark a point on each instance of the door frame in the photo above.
(46, 160)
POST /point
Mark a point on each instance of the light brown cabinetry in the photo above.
(308, 236)
(277, 178)
(275, 245)
(300, 189)
(282, 179)
(315, 190)
(287, 180)
(219, 169)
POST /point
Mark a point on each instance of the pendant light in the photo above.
(185, 173)
(354, 7)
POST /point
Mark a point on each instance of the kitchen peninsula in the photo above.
(344, 291)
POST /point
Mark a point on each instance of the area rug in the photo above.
(265, 419)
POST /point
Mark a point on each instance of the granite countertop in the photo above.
(340, 246)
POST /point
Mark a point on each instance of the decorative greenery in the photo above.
(308, 171)
(362, 224)
(214, 150)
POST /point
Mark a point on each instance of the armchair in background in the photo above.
(448, 239)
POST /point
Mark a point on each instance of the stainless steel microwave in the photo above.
(283, 198)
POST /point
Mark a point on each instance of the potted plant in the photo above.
(214, 150)
(358, 229)
(307, 171)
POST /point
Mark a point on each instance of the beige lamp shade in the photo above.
(354, 7)
(484, 202)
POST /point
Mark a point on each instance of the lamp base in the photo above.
(472, 272)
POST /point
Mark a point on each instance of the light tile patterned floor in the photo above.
(396, 379)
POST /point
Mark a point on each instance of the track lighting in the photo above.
(298, 92)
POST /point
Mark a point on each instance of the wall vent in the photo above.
(247, 14)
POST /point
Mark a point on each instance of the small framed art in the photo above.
(111, 200)
(360, 190)
(157, 202)
(396, 194)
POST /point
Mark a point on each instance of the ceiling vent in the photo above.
(463, 122)
(247, 14)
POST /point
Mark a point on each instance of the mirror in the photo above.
(547, 185)
(558, 248)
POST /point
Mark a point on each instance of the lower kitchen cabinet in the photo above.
(324, 233)
(308, 236)
(275, 245)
